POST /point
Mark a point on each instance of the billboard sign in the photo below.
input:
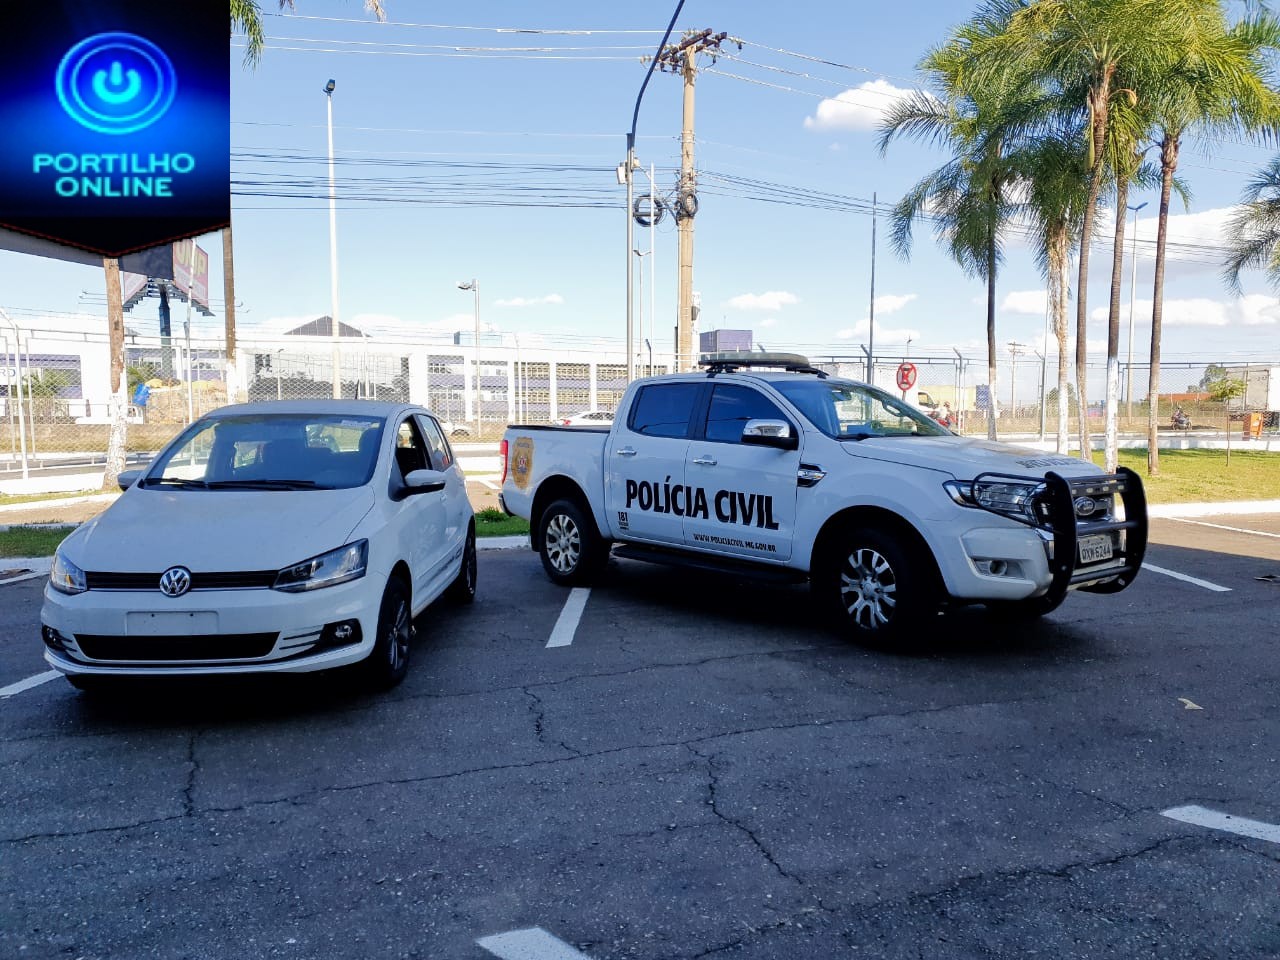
(116, 122)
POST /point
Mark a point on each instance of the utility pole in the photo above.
(681, 58)
(871, 307)
(1015, 350)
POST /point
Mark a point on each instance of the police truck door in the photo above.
(645, 464)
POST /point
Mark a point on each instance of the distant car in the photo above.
(277, 537)
(457, 431)
(589, 418)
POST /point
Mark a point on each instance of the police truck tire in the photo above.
(880, 590)
(572, 552)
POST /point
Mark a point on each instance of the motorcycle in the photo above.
(1180, 421)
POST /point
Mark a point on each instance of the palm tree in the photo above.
(1079, 45)
(968, 198)
(246, 16)
(1254, 231)
(1226, 87)
(1051, 170)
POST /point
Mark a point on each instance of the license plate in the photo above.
(170, 623)
(1093, 549)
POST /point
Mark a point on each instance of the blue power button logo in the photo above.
(115, 83)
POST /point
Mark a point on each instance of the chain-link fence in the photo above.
(64, 378)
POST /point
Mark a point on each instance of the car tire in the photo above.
(1015, 611)
(572, 552)
(388, 662)
(463, 588)
(878, 588)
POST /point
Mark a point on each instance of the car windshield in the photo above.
(852, 411)
(271, 451)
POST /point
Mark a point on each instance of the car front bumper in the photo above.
(144, 633)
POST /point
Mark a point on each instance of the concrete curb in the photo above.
(60, 502)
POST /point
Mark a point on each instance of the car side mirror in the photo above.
(770, 433)
(128, 478)
(424, 481)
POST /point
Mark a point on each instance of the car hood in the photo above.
(147, 531)
(966, 457)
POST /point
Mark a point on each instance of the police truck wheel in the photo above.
(572, 551)
(880, 590)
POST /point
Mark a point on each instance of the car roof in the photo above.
(767, 376)
(356, 408)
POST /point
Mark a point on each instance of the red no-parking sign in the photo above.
(906, 376)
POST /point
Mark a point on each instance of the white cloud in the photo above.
(892, 303)
(768, 322)
(550, 298)
(770, 300)
(860, 108)
(1252, 311)
(886, 337)
(1030, 302)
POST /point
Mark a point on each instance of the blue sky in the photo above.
(418, 97)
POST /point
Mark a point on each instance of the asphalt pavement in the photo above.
(675, 765)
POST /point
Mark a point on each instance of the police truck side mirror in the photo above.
(770, 433)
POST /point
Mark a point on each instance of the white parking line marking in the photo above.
(1184, 578)
(20, 577)
(27, 684)
(1222, 526)
(1204, 817)
(533, 943)
(562, 634)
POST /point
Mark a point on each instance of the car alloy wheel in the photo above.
(868, 589)
(564, 544)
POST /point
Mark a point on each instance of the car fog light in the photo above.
(52, 638)
(341, 634)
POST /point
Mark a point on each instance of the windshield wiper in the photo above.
(174, 482)
(861, 435)
(263, 484)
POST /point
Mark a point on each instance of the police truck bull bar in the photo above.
(1065, 509)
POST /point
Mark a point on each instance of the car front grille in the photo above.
(235, 580)
(219, 646)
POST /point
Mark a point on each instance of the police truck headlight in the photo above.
(327, 570)
(1011, 498)
(65, 576)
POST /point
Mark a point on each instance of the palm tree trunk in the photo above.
(991, 335)
(119, 382)
(1059, 264)
(1099, 96)
(1111, 454)
(1168, 166)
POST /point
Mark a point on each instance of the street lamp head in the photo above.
(329, 87)
(466, 284)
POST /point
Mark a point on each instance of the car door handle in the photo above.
(626, 452)
(706, 461)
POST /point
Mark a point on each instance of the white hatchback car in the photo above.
(286, 536)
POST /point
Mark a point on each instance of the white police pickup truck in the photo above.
(763, 465)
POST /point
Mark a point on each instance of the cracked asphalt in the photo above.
(704, 772)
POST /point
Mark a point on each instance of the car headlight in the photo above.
(65, 576)
(1012, 498)
(327, 570)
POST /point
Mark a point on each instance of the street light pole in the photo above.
(642, 254)
(474, 286)
(17, 378)
(1133, 283)
(333, 254)
(626, 169)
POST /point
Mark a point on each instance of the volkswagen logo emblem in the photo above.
(175, 581)
(1085, 506)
